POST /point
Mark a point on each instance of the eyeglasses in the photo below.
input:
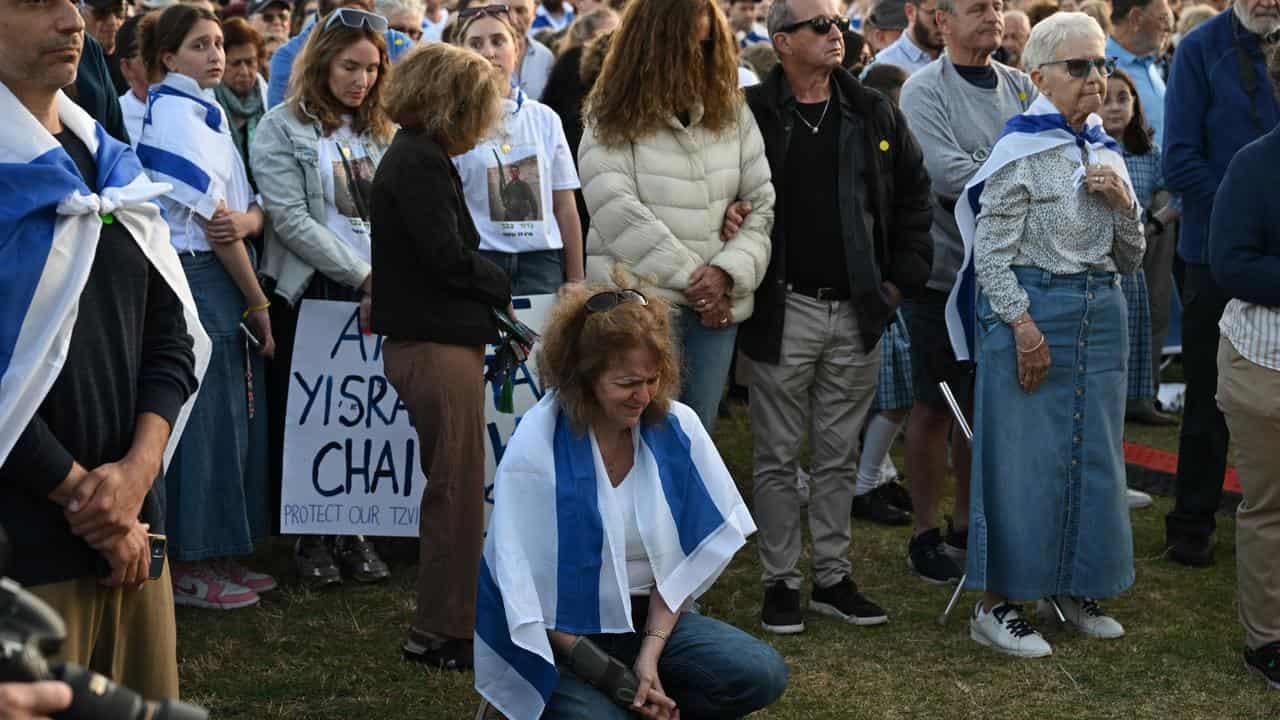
(1080, 67)
(610, 299)
(483, 11)
(820, 24)
(357, 18)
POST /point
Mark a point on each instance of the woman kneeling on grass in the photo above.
(588, 616)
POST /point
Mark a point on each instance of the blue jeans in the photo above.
(711, 670)
(532, 273)
(707, 354)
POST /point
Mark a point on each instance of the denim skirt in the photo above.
(1048, 514)
(216, 485)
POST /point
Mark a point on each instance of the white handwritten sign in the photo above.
(351, 461)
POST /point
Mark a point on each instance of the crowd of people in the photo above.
(854, 217)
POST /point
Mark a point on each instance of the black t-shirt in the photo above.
(983, 76)
(129, 353)
(815, 245)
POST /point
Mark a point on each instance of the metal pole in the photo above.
(958, 414)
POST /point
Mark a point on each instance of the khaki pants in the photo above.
(822, 386)
(1249, 396)
(443, 387)
(127, 635)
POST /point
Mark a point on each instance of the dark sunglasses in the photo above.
(1080, 67)
(357, 18)
(483, 11)
(610, 299)
(820, 24)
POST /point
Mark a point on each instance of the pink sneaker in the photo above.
(198, 585)
(243, 576)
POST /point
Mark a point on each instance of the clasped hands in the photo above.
(709, 286)
(102, 506)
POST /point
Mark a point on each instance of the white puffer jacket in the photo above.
(657, 206)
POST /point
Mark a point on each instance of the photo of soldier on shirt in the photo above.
(514, 190)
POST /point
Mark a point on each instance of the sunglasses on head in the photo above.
(610, 299)
(820, 24)
(357, 18)
(1080, 67)
(483, 11)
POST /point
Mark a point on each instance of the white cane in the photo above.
(963, 423)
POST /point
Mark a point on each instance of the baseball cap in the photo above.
(256, 6)
(889, 15)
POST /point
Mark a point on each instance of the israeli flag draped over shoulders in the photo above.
(50, 225)
(555, 559)
(186, 143)
(1042, 127)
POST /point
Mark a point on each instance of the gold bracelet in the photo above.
(256, 308)
(1033, 349)
(653, 632)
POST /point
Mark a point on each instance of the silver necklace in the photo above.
(813, 129)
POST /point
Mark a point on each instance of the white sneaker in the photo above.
(802, 485)
(1085, 615)
(888, 471)
(1137, 499)
(1004, 629)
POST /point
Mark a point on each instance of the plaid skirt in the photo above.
(1141, 384)
(895, 390)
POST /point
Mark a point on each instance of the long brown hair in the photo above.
(309, 94)
(1137, 134)
(164, 31)
(656, 69)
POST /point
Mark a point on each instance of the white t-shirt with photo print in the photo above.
(347, 198)
(508, 179)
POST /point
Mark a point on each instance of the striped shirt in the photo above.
(1254, 331)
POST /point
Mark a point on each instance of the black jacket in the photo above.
(430, 283)
(94, 91)
(897, 198)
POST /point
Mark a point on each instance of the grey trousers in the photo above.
(1157, 263)
(822, 386)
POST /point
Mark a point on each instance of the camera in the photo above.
(30, 630)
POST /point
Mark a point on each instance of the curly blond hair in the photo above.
(577, 347)
(450, 93)
(656, 68)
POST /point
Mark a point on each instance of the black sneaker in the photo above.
(875, 507)
(926, 559)
(1265, 663)
(450, 654)
(956, 544)
(313, 561)
(843, 602)
(359, 560)
(781, 613)
(897, 495)
(1191, 552)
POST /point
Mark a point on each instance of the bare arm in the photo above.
(565, 207)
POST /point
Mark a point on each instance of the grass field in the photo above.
(335, 655)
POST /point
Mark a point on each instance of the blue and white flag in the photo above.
(50, 225)
(555, 556)
(1042, 127)
(186, 143)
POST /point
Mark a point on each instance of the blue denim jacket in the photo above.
(286, 163)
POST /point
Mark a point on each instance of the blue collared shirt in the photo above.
(543, 19)
(1146, 75)
(904, 53)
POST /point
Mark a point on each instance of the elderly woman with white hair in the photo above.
(1051, 222)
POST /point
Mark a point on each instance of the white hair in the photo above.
(1021, 16)
(387, 8)
(1255, 25)
(1049, 34)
